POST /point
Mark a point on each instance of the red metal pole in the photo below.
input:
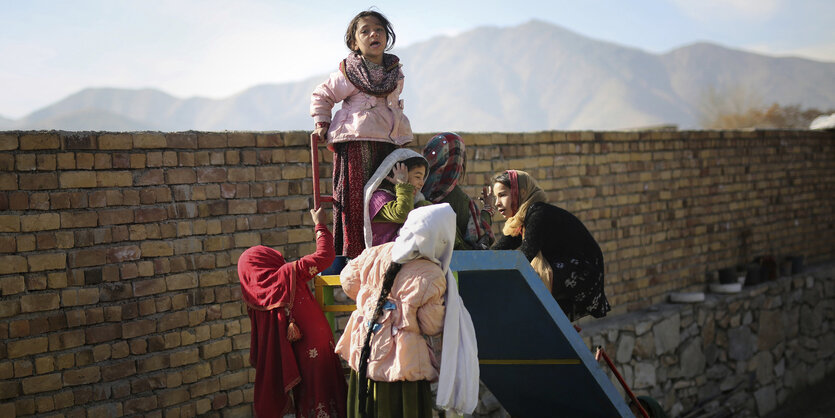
(601, 353)
(314, 155)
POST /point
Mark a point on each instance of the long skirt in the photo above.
(578, 287)
(353, 164)
(391, 399)
(307, 368)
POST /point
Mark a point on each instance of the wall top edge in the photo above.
(622, 131)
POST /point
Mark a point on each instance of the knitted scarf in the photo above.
(369, 78)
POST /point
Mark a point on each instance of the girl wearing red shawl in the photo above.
(292, 346)
(447, 159)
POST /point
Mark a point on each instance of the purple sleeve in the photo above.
(378, 199)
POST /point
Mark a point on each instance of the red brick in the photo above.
(146, 384)
(149, 140)
(271, 140)
(83, 376)
(115, 142)
(181, 176)
(181, 281)
(79, 141)
(242, 206)
(37, 181)
(102, 161)
(136, 405)
(113, 409)
(183, 357)
(39, 302)
(13, 264)
(8, 181)
(173, 397)
(39, 141)
(173, 320)
(149, 364)
(270, 206)
(240, 139)
(156, 249)
(18, 200)
(216, 348)
(11, 285)
(8, 141)
(40, 222)
(148, 287)
(8, 390)
(122, 254)
(86, 219)
(43, 262)
(46, 241)
(114, 179)
(150, 178)
(181, 140)
(138, 328)
(123, 160)
(211, 175)
(64, 340)
(77, 179)
(234, 380)
(103, 333)
(27, 347)
(211, 140)
(150, 215)
(118, 371)
(78, 297)
(88, 258)
(115, 291)
(44, 383)
(116, 217)
(204, 387)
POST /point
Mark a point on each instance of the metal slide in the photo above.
(531, 358)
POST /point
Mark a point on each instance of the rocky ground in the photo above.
(813, 402)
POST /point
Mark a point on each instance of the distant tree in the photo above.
(741, 109)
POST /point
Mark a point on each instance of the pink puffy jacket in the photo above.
(398, 349)
(362, 117)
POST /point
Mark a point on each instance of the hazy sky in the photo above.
(215, 48)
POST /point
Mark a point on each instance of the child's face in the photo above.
(503, 199)
(417, 175)
(370, 39)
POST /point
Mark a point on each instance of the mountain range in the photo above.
(530, 77)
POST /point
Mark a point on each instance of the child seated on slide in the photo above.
(391, 193)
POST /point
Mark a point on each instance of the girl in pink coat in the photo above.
(369, 125)
(400, 288)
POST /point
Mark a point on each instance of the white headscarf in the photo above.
(429, 232)
(396, 156)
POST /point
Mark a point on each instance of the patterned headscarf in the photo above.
(523, 193)
(447, 159)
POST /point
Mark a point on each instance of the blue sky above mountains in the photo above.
(215, 48)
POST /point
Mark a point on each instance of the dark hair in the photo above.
(411, 163)
(350, 39)
(502, 178)
(388, 281)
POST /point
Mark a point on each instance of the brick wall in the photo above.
(118, 289)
